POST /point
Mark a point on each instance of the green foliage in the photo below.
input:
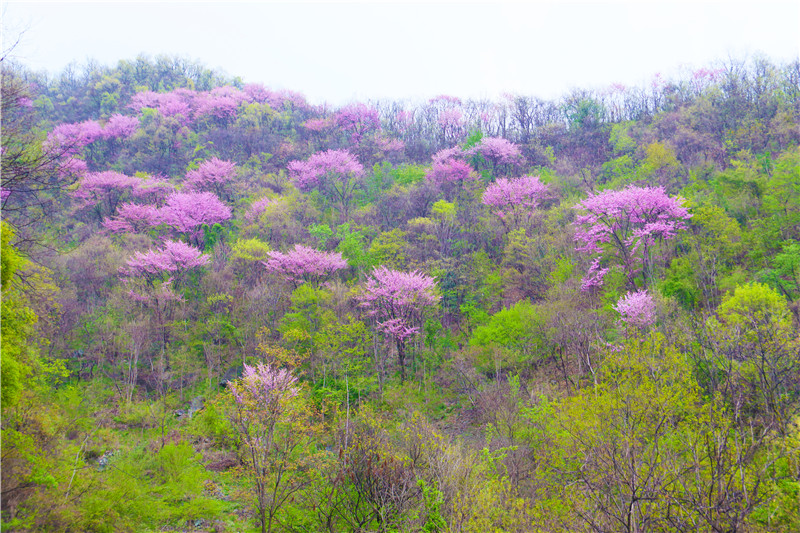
(390, 248)
(19, 354)
(620, 138)
(321, 232)
(352, 246)
(406, 174)
(511, 336)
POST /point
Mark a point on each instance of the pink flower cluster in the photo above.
(263, 388)
(304, 264)
(634, 214)
(72, 138)
(210, 174)
(514, 197)
(637, 309)
(309, 174)
(188, 211)
(447, 167)
(220, 102)
(629, 222)
(497, 150)
(95, 184)
(396, 299)
(175, 256)
(357, 120)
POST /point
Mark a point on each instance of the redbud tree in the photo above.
(514, 200)
(397, 302)
(637, 310)
(304, 264)
(262, 399)
(624, 227)
(211, 175)
(335, 173)
(188, 212)
(496, 154)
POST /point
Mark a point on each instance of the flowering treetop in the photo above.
(310, 174)
(263, 389)
(131, 218)
(336, 173)
(304, 264)
(174, 257)
(515, 199)
(497, 150)
(357, 120)
(637, 309)
(187, 212)
(120, 127)
(627, 224)
(396, 299)
(211, 174)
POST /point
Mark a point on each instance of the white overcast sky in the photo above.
(340, 52)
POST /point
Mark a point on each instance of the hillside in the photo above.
(227, 309)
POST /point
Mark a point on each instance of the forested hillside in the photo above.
(227, 309)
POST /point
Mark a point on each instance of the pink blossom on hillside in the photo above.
(174, 257)
(168, 104)
(317, 124)
(94, 185)
(153, 189)
(393, 294)
(257, 93)
(187, 212)
(309, 174)
(628, 223)
(71, 168)
(4, 193)
(397, 301)
(221, 102)
(211, 174)
(336, 173)
(131, 218)
(120, 127)
(304, 264)
(498, 151)
(262, 390)
(404, 119)
(71, 138)
(448, 171)
(637, 309)
(451, 120)
(357, 120)
(514, 200)
(447, 153)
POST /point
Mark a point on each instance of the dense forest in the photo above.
(227, 309)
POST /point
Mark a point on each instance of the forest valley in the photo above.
(227, 309)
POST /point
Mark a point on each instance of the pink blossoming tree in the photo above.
(357, 120)
(104, 190)
(304, 264)
(625, 226)
(637, 310)
(497, 155)
(188, 212)
(133, 218)
(211, 175)
(262, 407)
(335, 173)
(515, 200)
(397, 301)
